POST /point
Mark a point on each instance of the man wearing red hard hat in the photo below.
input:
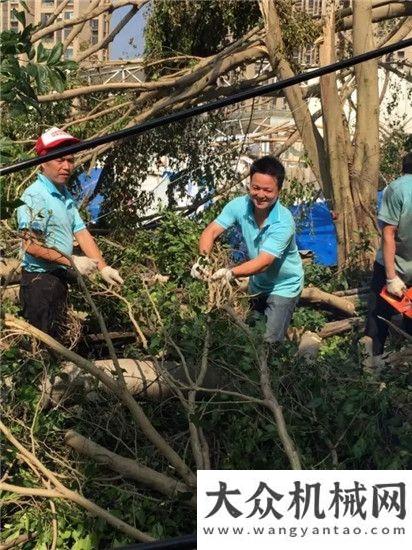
(49, 220)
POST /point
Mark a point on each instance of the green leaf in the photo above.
(31, 69)
(23, 3)
(55, 81)
(55, 54)
(71, 65)
(7, 87)
(18, 108)
(42, 75)
(20, 16)
(42, 53)
(83, 543)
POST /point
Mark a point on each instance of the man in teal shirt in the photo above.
(393, 265)
(275, 268)
(49, 221)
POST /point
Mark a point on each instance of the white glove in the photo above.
(86, 266)
(395, 286)
(111, 276)
(200, 270)
(224, 274)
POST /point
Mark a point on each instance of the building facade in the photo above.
(92, 31)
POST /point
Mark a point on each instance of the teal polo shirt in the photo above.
(53, 214)
(396, 209)
(276, 237)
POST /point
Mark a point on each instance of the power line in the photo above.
(207, 107)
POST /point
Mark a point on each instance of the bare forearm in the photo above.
(208, 237)
(89, 247)
(48, 254)
(388, 252)
(206, 243)
(251, 267)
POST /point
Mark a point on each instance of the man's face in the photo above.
(59, 170)
(263, 191)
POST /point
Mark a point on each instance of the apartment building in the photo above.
(41, 11)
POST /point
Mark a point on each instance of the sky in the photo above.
(121, 48)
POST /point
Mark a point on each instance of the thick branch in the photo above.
(312, 140)
(317, 296)
(381, 13)
(270, 400)
(401, 31)
(127, 467)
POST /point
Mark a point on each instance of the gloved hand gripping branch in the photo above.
(201, 268)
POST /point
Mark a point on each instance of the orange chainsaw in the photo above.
(403, 305)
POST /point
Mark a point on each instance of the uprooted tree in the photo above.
(166, 377)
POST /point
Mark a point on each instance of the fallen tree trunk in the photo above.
(314, 295)
(337, 327)
(127, 467)
(141, 378)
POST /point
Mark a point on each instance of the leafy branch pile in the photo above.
(215, 394)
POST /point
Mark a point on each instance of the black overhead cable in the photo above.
(206, 107)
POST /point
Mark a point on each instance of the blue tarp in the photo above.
(88, 183)
(316, 232)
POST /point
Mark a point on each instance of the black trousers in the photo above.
(378, 307)
(43, 297)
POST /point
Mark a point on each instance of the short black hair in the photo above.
(270, 166)
(407, 163)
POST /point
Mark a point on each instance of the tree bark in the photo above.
(127, 467)
(365, 168)
(312, 140)
(317, 296)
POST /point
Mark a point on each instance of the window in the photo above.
(48, 3)
(14, 26)
(44, 17)
(66, 32)
(94, 28)
(68, 54)
(68, 15)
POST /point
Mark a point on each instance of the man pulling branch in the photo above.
(49, 220)
(275, 268)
